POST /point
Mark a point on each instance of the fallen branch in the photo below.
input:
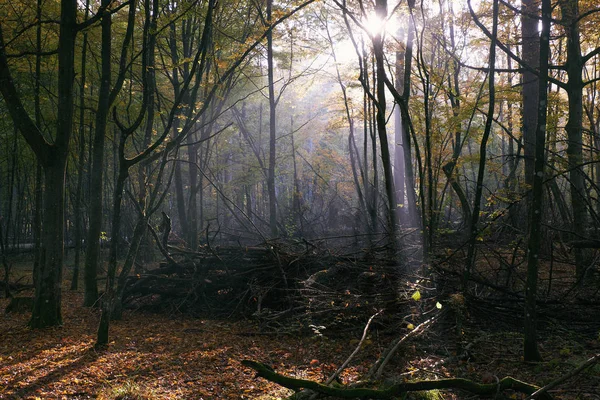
(358, 347)
(351, 357)
(396, 390)
(377, 369)
(538, 393)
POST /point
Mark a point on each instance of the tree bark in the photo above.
(47, 301)
(272, 128)
(95, 210)
(574, 66)
(474, 226)
(536, 209)
(454, 96)
(381, 10)
(397, 390)
(399, 167)
(77, 203)
(531, 57)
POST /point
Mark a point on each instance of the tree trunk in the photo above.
(381, 10)
(136, 240)
(536, 210)
(399, 173)
(39, 190)
(95, 208)
(574, 88)
(77, 203)
(411, 195)
(272, 129)
(192, 223)
(109, 294)
(449, 167)
(474, 227)
(47, 300)
(531, 57)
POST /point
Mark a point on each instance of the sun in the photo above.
(375, 25)
(372, 25)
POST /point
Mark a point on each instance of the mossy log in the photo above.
(396, 390)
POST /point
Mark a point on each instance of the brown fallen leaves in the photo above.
(151, 356)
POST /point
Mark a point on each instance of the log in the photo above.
(396, 390)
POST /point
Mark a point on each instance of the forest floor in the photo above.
(156, 356)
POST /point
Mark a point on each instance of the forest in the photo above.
(299, 199)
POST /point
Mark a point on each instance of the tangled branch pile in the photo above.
(266, 281)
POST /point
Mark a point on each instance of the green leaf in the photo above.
(416, 296)
(438, 305)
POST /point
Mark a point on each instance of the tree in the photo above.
(530, 348)
(574, 65)
(489, 119)
(404, 87)
(272, 125)
(530, 80)
(52, 156)
(107, 95)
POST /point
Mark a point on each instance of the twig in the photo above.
(563, 378)
(356, 350)
(377, 369)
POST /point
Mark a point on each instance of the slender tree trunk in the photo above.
(536, 211)
(411, 195)
(179, 195)
(531, 57)
(392, 219)
(369, 201)
(78, 207)
(352, 148)
(373, 130)
(95, 211)
(427, 208)
(148, 77)
(510, 183)
(474, 227)
(399, 173)
(272, 128)
(173, 45)
(574, 65)
(37, 220)
(297, 196)
(136, 240)
(39, 190)
(192, 238)
(449, 167)
(109, 294)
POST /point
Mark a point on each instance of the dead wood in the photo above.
(398, 389)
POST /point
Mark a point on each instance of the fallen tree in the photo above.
(396, 390)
